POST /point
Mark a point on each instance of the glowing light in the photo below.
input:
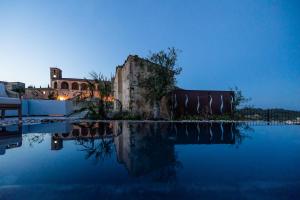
(54, 76)
(44, 92)
(109, 99)
(61, 98)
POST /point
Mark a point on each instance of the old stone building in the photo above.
(60, 83)
(127, 92)
(129, 95)
(60, 88)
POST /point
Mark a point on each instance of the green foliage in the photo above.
(101, 84)
(19, 90)
(239, 98)
(97, 105)
(52, 95)
(162, 75)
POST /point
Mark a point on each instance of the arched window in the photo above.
(64, 85)
(84, 86)
(75, 86)
(55, 85)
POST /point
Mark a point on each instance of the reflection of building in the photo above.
(82, 131)
(180, 102)
(142, 151)
(56, 142)
(10, 138)
(147, 147)
(204, 133)
(143, 148)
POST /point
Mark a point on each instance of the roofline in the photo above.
(74, 79)
(229, 91)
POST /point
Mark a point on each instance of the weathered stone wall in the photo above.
(45, 93)
(127, 89)
(38, 93)
(187, 102)
(60, 88)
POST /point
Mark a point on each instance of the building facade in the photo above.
(60, 88)
(129, 95)
(127, 91)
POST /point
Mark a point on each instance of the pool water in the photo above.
(131, 160)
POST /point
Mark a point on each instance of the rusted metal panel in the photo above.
(202, 102)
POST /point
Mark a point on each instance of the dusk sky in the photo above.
(254, 45)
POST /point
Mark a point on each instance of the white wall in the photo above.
(43, 107)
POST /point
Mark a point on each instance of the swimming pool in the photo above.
(134, 160)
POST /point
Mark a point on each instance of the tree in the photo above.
(161, 79)
(239, 98)
(100, 89)
(52, 95)
(20, 90)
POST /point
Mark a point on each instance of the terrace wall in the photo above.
(37, 107)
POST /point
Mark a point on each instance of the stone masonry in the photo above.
(127, 91)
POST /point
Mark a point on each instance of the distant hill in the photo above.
(267, 114)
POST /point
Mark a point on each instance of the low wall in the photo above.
(38, 107)
(202, 102)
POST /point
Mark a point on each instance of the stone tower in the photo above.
(55, 73)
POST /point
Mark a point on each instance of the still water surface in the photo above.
(130, 160)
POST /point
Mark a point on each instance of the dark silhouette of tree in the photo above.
(161, 79)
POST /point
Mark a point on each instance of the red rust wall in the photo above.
(185, 102)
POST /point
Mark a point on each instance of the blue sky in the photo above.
(254, 45)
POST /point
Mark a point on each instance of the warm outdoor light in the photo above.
(61, 98)
(109, 98)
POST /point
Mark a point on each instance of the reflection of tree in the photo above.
(34, 138)
(240, 132)
(96, 128)
(100, 149)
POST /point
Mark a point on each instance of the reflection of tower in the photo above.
(55, 73)
(56, 143)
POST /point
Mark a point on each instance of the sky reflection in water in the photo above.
(149, 160)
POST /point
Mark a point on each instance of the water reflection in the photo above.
(150, 147)
(143, 148)
(10, 138)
